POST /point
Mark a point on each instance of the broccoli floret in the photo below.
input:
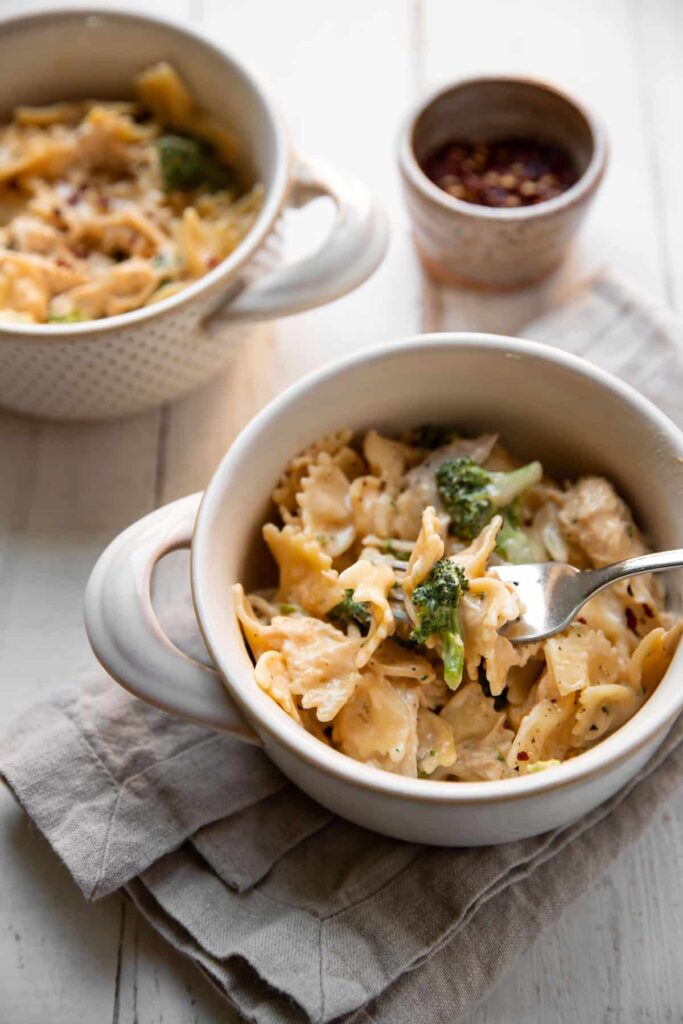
(428, 435)
(186, 163)
(472, 495)
(436, 600)
(348, 611)
(74, 317)
(513, 543)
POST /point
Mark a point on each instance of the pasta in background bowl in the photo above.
(405, 669)
(545, 405)
(106, 207)
(117, 294)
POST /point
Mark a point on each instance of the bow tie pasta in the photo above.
(109, 206)
(383, 636)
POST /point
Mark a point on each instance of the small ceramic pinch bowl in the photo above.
(463, 243)
(546, 404)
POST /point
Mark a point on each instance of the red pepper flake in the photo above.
(648, 611)
(631, 620)
(509, 172)
(212, 262)
(76, 195)
(580, 618)
(522, 756)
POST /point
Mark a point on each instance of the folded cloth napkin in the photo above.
(296, 915)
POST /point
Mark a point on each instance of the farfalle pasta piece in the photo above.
(580, 657)
(398, 662)
(261, 636)
(321, 663)
(379, 725)
(435, 743)
(289, 484)
(602, 709)
(374, 508)
(503, 656)
(307, 578)
(428, 549)
(370, 585)
(546, 528)
(652, 657)
(481, 738)
(389, 459)
(325, 503)
(474, 558)
(272, 675)
(599, 521)
(484, 609)
(606, 612)
(544, 733)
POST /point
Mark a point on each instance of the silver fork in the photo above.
(553, 593)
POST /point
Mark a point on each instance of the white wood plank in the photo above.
(657, 40)
(66, 491)
(159, 986)
(57, 953)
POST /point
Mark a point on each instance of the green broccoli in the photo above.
(428, 435)
(436, 600)
(348, 611)
(513, 542)
(472, 495)
(74, 317)
(187, 163)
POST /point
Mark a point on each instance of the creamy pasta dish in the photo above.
(383, 636)
(106, 207)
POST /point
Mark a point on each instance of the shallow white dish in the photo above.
(546, 404)
(125, 363)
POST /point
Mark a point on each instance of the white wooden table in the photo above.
(346, 73)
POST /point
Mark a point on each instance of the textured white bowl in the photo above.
(139, 359)
(545, 404)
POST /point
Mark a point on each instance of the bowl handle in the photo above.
(351, 252)
(127, 637)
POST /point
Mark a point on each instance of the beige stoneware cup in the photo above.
(486, 247)
(122, 364)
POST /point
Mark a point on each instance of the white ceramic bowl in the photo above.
(546, 404)
(129, 362)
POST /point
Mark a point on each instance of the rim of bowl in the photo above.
(249, 244)
(301, 744)
(586, 183)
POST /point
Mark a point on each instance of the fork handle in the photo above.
(658, 561)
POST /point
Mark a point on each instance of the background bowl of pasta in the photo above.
(581, 423)
(143, 174)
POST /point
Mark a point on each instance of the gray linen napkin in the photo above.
(296, 915)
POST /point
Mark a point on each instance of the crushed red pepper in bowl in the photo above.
(508, 173)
